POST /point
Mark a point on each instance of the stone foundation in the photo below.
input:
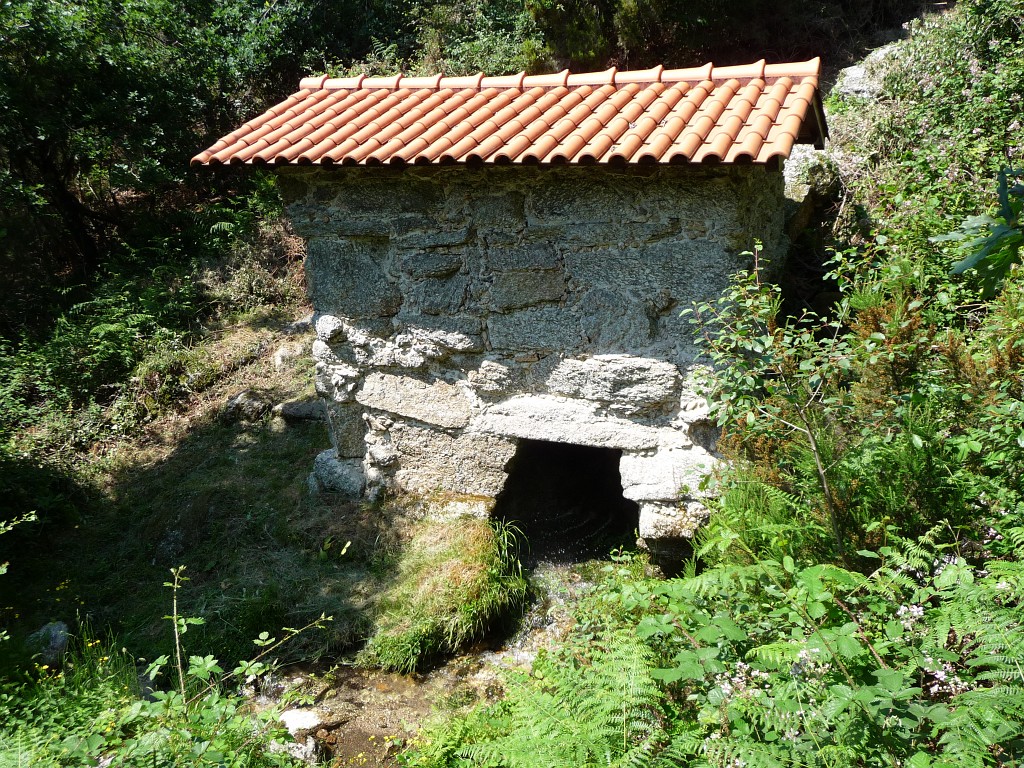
(462, 310)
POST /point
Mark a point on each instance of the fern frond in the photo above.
(777, 655)
(599, 708)
(1014, 535)
(730, 578)
(684, 745)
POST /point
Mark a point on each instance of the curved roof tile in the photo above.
(750, 113)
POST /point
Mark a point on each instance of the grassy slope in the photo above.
(229, 499)
(226, 498)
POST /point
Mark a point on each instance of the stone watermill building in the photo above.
(498, 265)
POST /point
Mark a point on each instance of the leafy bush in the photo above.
(992, 244)
(823, 665)
(645, 33)
(936, 144)
(492, 36)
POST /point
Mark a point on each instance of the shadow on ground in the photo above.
(229, 500)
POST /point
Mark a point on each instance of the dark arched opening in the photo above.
(567, 501)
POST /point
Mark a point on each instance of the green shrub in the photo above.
(89, 710)
(992, 245)
(773, 662)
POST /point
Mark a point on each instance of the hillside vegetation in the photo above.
(855, 599)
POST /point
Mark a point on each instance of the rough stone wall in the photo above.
(460, 310)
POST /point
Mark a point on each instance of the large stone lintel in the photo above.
(561, 420)
(664, 474)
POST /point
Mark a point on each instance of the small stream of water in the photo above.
(357, 717)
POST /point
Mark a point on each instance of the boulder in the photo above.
(301, 410)
(50, 642)
(342, 476)
(246, 406)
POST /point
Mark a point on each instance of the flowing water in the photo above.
(357, 717)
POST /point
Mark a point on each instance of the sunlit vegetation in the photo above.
(855, 598)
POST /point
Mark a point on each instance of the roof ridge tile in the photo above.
(506, 81)
(335, 83)
(753, 71)
(433, 82)
(593, 78)
(809, 68)
(548, 81)
(382, 82)
(640, 75)
(693, 73)
(467, 81)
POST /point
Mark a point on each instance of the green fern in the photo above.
(594, 706)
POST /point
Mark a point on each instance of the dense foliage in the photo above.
(643, 33)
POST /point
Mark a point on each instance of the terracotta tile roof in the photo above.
(752, 113)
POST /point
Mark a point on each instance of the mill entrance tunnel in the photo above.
(567, 501)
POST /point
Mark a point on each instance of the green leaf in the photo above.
(953, 574)
(893, 630)
(94, 742)
(816, 610)
(891, 680)
(848, 647)
(650, 626)
(688, 670)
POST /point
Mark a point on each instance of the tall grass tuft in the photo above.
(453, 581)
